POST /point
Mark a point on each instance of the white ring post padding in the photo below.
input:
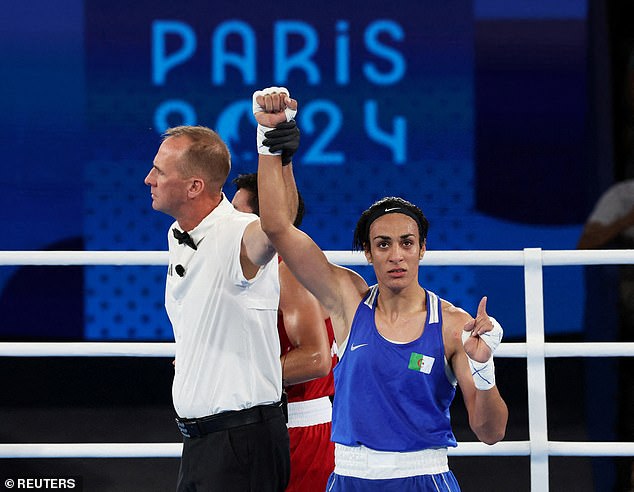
(535, 368)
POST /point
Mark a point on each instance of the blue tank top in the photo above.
(391, 396)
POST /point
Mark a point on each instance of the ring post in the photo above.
(535, 367)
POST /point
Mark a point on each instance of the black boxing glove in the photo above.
(284, 137)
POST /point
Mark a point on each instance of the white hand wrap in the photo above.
(290, 115)
(484, 372)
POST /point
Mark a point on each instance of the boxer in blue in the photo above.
(402, 349)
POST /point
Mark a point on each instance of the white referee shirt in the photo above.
(225, 326)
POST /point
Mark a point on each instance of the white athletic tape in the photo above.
(290, 113)
(263, 149)
(484, 372)
(492, 338)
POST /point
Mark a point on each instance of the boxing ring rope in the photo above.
(535, 350)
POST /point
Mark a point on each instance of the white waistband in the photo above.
(362, 462)
(309, 412)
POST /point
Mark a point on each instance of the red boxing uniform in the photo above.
(309, 423)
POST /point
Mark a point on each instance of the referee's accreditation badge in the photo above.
(420, 363)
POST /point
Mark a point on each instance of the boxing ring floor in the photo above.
(529, 458)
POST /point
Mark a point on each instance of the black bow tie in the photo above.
(184, 237)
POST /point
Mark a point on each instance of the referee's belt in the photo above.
(228, 420)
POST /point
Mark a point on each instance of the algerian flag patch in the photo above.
(420, 363)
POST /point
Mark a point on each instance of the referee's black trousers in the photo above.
(249, 458)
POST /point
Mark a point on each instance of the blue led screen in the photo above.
(416, 99)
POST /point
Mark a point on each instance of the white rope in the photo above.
(503, 448)
(593, 349)
(86, 349)
(588, 257)
(168, 349)
(347, 258)
(561, 448)
(555, 448)
(174, 449)
(83, 258)
(92, 450)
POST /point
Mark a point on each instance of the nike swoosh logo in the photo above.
(394, 208)
(355, 347)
